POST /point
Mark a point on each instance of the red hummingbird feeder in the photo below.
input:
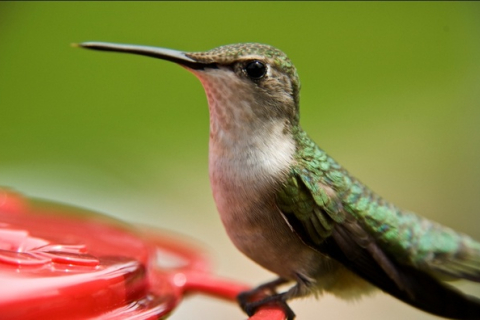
(60, 262)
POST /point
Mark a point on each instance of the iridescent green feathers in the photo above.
(321, 195)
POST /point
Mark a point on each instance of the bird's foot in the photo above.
(274, 300)
(258, 293)
(265, 294)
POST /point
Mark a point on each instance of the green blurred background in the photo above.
(391, 90)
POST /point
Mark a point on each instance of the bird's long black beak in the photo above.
(160, 53)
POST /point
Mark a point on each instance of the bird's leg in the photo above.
(249, 305)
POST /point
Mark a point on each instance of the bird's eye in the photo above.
(255, 69)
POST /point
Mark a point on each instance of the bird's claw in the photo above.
(251, 307)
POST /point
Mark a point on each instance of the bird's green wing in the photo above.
(321, 195)
(339, 217)
(322, 222)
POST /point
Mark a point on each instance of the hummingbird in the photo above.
(295, 211)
